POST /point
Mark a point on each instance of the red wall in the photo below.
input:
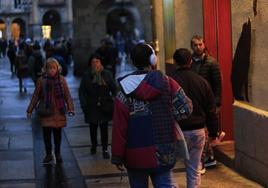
(217, 34)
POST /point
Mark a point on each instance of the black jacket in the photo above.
(209, 69)
(204, 107)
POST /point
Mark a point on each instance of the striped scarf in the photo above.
(54, 84)
(97, 78)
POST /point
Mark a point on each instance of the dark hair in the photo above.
(96, 56)
(36, 46)
(140, 55)
(182, 56)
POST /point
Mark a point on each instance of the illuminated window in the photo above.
(15, 30)
(46, 30)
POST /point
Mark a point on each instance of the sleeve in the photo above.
(212, 119)
(83, 94)
(36, 96)
(67, 95)
(181, 104)
(119, 129)
(112, 84)
(31, 66)
(216, 82)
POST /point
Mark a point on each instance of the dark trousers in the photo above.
(94, 134)
(47, 132)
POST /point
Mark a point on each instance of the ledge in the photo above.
(249, 107)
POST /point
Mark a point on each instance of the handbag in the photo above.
(44, 111)
(106, 105)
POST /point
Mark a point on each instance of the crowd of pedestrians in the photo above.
(156, 118)
(27, 58)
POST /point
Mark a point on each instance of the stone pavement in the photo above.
(22, 149)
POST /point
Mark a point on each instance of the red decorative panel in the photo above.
(217, 33)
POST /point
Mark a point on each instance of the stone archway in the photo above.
(53, 19)
(90, 25)
(18, 29)
(112, 13)
(124, 17)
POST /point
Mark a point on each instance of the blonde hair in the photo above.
(51, 61)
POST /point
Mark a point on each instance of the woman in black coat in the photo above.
(96, 92)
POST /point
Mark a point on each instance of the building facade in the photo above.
(36, 19)
(94, 20)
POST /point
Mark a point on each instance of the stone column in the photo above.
(70, 18)
(8, 28)
(158, 32)
(36, 25)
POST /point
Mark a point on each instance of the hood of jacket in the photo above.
(143, 85)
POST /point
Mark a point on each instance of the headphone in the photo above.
(153, 57)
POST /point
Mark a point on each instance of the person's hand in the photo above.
(214, 141)
(71, 113)
(120, 167)
(29, 115)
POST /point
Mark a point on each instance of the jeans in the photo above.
(195, 140)
(139, 179)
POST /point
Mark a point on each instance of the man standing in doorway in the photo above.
(207, 67)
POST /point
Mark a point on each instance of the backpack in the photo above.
(38, 65)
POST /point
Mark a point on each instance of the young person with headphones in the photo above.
(144, 131)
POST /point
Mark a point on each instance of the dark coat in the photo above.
(89, 94)
(209, 69)
(199, 91)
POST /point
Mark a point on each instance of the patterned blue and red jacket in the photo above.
(144, 134)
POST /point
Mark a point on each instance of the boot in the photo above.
(48, 158)
(105, 154)
(58, 158)
(93, 150)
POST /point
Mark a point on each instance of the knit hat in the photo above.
(140, 55)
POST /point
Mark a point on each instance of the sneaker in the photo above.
(58, 158)
(221, 136)
(210, 162)
(48, 159)
(203, 170)
(105, 154)
(93, 150)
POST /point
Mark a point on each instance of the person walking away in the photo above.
(4, 48)
(22, 68)
(57, 51)
(144, 132)
(96, 92)
(11, 53)
(204, 114)
(207, 67)
(36, 62)
(52, 99)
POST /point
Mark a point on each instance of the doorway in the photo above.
(52, 18)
